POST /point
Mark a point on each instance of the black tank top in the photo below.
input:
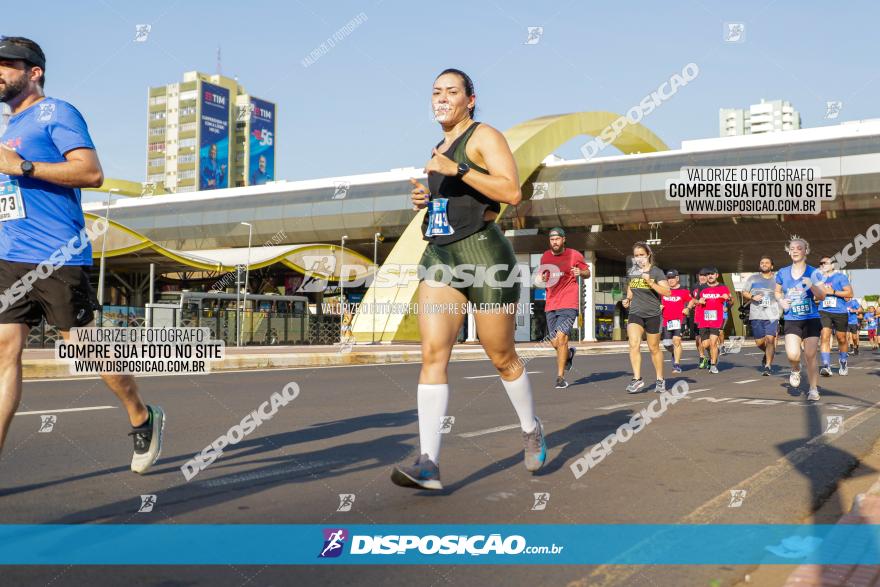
(466, 205)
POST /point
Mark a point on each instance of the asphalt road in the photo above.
(350, 425)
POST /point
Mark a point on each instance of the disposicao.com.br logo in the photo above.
(451, 544)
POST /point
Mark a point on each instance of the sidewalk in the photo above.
(41, 363)
(860, 491)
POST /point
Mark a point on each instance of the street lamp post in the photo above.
(341, 290)
(247, 269)
(376, 239)
(103, 250)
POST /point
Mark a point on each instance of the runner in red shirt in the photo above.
(561, 307)
(698, 317)
(675, 311)
(713, 300)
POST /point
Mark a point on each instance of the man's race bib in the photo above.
(673, 325)
(11, 203)
(438, 222)
(802, 307)
(829, 302)
(766, 301)
(710, 315)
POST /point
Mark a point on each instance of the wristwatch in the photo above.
(27, 168)
(462, 169)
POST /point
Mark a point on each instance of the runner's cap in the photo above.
(12, 52)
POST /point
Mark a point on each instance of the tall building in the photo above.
(768, 116)
(207, 132)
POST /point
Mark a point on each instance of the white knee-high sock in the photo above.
(432, 402)
(520, 393)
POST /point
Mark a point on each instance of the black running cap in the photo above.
(672, 273)
(13, 52)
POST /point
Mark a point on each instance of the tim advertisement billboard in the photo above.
(214, 142)
(261, 161)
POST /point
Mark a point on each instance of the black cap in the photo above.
(703, 271)
(672, 273)
(711, 270)
(13, 52)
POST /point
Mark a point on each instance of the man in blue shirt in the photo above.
(260, 176)
(213, 173)
(833, 315)
(46, 156)
(853, 309)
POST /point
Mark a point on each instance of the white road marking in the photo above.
(746, 381)
(496, 375)
(488, 431)
(616, 406)
(273, 472)
(65, 410)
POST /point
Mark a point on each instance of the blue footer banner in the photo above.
(624, 544)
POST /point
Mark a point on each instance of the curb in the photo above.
(54, 369)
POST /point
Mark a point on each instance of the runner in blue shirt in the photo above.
(46, 156)
(853, 309)
(871, 325)
(798, 292)
(833, 314)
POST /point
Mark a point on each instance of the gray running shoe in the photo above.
(635, 385)
(535, 449)
(424, 474)
(148, 440)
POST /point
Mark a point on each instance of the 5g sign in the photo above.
(266, 138)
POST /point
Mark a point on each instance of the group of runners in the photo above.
(47, 156)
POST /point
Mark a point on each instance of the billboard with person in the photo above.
(261, 142)
(214, 138)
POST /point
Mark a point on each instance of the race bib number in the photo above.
(765, 302)
(802, 308)
(710, 315)
(673, 325)
(11, 204)
(829, 302)
(438, 222)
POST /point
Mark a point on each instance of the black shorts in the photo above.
(670, 334)
(561, 320)
(650, 324)
(63, 296)
(706, 332)
(810, 328)
(837, 321)
(486, 249)
(853, 328)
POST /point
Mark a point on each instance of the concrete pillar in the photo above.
(589, 305)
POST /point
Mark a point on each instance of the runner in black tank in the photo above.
(470, 174)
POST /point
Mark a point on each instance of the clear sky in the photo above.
(364, 105)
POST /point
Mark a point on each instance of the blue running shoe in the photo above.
(424, 474)
(535, 447)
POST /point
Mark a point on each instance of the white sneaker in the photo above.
(843, 368)
(794, 379)
(148, 441)
(813, 395)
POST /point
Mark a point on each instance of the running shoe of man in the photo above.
(148, 440)
(844, 368)
(794, 378)
(825, 371)
(534, 447)
(813, 395)
(424, 474)
(713, 369)
(635, 386)
(676, 368)
(660, 386)
(561, 383)
(570, 359)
